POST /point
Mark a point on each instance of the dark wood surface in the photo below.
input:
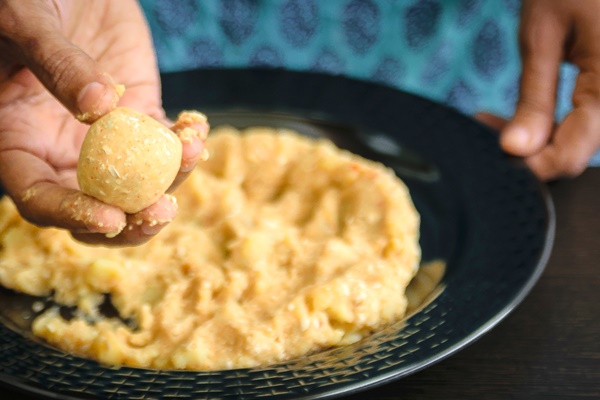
(549, 347)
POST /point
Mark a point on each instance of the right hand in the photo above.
(60, 60)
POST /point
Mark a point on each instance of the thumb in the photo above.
(75, 79)
(531, 127)
(69, 74)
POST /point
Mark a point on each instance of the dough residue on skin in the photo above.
(282, 246)
(186, 120)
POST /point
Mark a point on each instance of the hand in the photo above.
(73, 52)
(552, 31)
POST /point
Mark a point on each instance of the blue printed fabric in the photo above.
(460, 52)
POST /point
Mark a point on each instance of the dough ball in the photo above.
(128, 159)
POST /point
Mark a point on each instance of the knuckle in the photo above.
(61, 66)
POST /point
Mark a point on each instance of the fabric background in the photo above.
(459, 52)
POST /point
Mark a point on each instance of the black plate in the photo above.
(482, 212)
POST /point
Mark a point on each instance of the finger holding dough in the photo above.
(44, 200)
(192, 129)
(140, 227)
(72, 210)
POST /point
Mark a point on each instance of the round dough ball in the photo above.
(128, 160)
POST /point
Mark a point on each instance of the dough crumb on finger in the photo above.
(82, 208)
(191, 124)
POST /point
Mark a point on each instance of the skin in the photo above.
(59, 61)
(552, 31)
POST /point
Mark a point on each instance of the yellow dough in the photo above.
(128, 159)
(282, 246)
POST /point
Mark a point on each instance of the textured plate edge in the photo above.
(29, 389)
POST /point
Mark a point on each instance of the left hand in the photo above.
(552, 31)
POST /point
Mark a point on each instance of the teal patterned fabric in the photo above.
(460, 52)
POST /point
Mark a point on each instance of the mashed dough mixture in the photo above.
(282, 246)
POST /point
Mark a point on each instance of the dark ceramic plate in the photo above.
(482, 212)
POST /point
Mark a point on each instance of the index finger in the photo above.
(541, 38)
(43, 200)
(192, 129)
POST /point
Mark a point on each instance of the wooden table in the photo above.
(549, 347)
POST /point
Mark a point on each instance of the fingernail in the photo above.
(94, 100)
(112, 231)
